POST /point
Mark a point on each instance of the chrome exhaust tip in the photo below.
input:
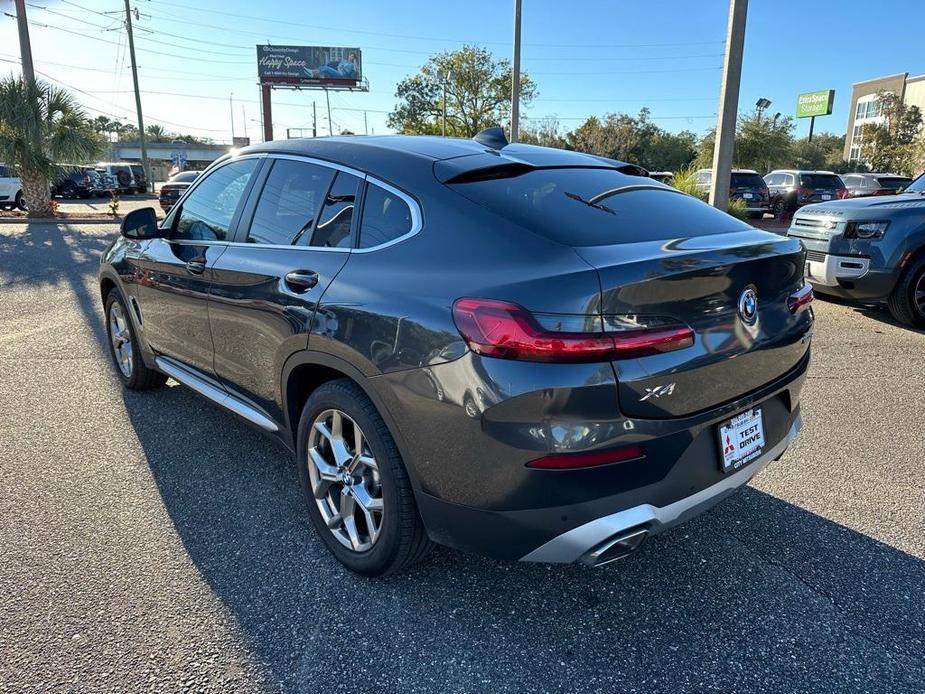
(615, 547)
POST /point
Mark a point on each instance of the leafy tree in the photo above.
(895, 145)
(158, 133)
(823, 152)
(669, 151)
(478, 94)
(763, 143)
(41, 124)
(544, 132)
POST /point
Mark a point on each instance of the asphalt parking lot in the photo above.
(149, 541)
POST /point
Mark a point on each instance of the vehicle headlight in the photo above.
(865, 230)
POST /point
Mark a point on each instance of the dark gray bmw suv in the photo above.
(524, 352)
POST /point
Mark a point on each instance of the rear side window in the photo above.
(821, 181)
(386, 217)
(3, 172)
(289, 202)
(746, 180)
(336, 220)
(593, 207)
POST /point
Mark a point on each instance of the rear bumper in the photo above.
(474, 492)
(579, 544)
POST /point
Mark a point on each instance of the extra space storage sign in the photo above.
(815, 103)
(322, 66)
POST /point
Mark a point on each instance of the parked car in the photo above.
(107, 182)
(791, 189)
(120, 174)
(869, 249)
(78, 182)
(744, 184)
(863, 184)
(10, 189)
(141, 181)
(662, 176)
(172, 190)
(530, 353)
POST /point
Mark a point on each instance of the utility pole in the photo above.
(141, 121)
(327, 95)
(231, 110)
(267, 112)
(25, 46)
(365, 124)
(244, 119)
(314, 120)
(728, 105)
(515, 87)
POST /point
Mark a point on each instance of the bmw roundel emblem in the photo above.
(748, 305)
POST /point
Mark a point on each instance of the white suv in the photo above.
(10, 189)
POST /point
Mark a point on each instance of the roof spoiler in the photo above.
(493, 137)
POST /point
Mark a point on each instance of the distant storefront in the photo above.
(167, 156)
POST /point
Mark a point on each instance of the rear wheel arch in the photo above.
(305, 371)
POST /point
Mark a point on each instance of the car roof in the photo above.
(802, 171)
(400, 157)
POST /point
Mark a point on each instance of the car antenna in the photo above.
(493, 137)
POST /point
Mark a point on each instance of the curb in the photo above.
(57, 220)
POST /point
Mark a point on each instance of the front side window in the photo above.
(336, 220)
(208, 210)
(289, 202)
(386, 217)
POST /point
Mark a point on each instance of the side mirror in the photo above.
(140, 224)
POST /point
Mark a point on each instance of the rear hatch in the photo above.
(750, 188)
(820, 187)
(890, 185)
(665, 258)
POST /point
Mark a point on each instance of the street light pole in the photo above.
(231, 110)
(728, 105)
(141, 122)
(515, 86)
(25, 46)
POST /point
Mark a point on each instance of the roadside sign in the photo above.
(812, 104)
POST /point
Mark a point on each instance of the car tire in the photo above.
(68, 191)
(21, 202)
(120, 334)
(907, 302)
(362, 545)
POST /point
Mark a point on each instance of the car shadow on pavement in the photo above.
(875, 311)
(756, 595)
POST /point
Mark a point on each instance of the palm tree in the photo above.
(41, 124)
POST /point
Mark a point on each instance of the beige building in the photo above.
(865, 107)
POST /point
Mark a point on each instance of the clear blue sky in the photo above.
(586, 58)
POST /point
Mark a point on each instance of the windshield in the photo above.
(595, 207)
(917, 186)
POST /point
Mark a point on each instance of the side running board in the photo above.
(216, 395)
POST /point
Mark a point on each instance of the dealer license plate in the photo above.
(741, 440)
(826, 197)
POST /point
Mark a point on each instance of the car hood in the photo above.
(840, 208)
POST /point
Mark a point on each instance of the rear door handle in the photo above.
(196, 266)
(301, 280)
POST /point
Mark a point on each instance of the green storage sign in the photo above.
(815, 103)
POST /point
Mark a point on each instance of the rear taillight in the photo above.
(86, 180)
(572, 461)
(800, 299)
(508, 331)
(843, 194)
(805, 193)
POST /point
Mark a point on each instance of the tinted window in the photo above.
(386, 217)
(207, 213)
(749, 180)
(3, 172)
(334, 224)
(585, 207)
(821, 181)
(893, 182)
(918, 185)
(289, 202)
(185, 177)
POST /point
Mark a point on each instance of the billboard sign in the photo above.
(307, 66)
(815, 103)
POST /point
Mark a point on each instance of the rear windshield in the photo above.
(185, 177)
(750, 180)
(586, 207)
(137, 168)
(893, 182)
(821, 181)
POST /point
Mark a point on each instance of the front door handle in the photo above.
(301, 280)
(196, 266)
